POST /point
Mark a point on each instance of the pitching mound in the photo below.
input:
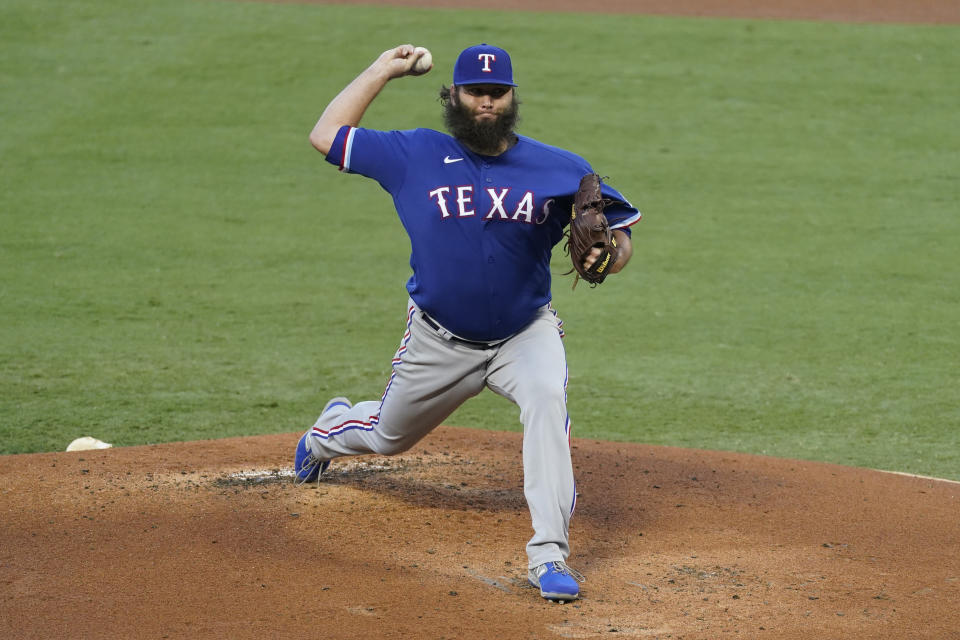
(212, 540)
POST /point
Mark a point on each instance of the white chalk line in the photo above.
(919, 477)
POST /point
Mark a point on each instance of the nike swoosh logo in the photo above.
(449, 160)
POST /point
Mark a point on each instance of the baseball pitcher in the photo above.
(483, 207)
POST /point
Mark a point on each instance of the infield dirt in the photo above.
(211, 539)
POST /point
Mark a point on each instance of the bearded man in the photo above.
(483, 207)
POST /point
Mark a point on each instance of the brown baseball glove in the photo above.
(588, 229)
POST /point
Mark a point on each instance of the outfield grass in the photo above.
(178, 263)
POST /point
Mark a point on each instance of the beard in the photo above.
(485, 137)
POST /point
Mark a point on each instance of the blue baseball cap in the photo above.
(483, 64)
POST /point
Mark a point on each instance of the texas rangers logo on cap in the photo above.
(483, 64)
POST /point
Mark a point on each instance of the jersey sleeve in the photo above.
(620, 213)
(381, 155)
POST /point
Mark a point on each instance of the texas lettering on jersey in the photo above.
(458, 201)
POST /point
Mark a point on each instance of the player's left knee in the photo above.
(545, 397)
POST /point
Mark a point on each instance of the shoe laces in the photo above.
(562, 567)
(310, 463)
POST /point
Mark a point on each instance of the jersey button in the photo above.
(490, 260)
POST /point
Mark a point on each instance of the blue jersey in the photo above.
(481, 228)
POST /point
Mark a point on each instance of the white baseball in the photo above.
(424, 60)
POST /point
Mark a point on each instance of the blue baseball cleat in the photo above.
(556, 580)
(306, 466)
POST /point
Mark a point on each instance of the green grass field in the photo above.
(177, 263)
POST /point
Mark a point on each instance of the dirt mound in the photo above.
(211, 539)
